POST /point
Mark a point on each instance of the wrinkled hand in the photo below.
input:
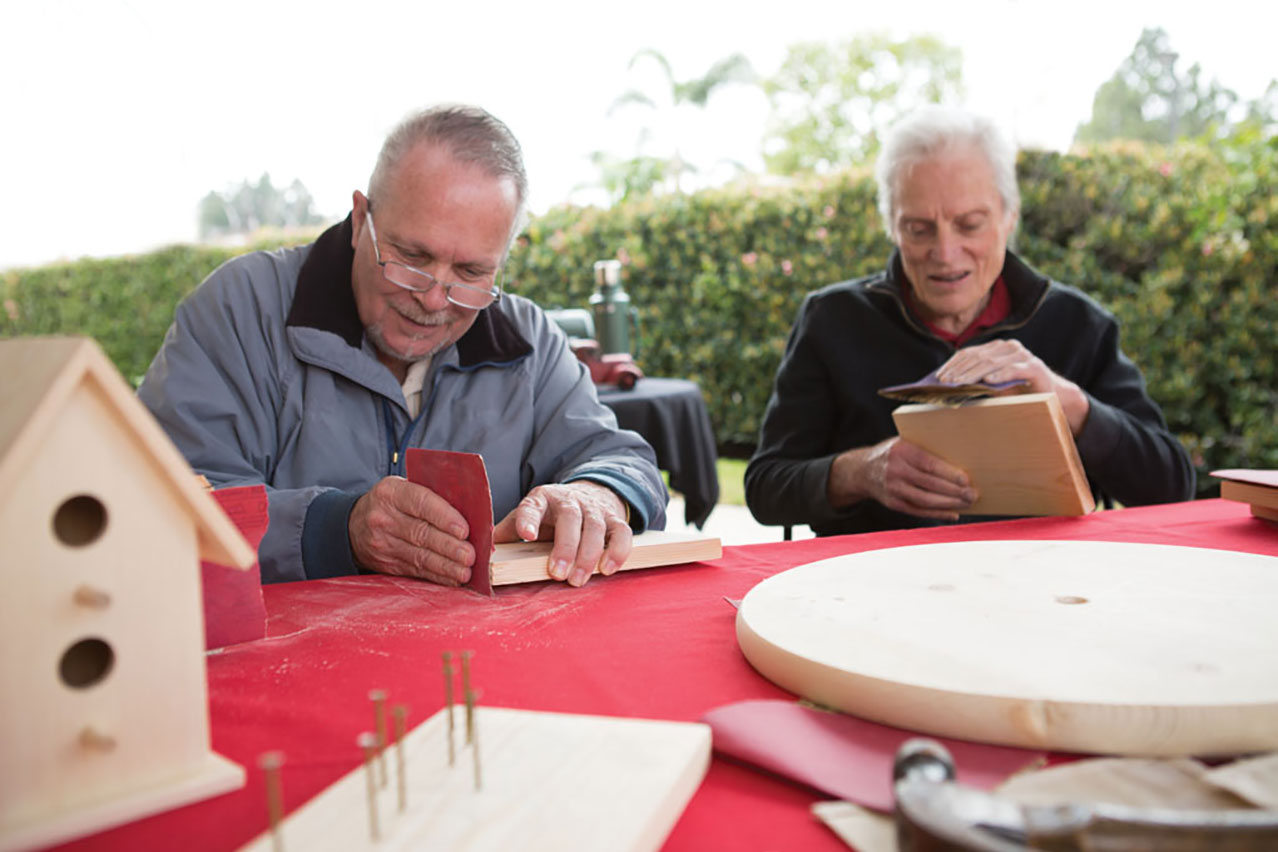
(1009, 360)
(402, 528)
(904, 477)
(586, 521)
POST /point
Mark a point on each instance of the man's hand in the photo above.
(402, 528)
(586, 521)
(1009, 360)
(902, 476)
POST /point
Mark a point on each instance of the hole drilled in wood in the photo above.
(80, 520)
(1070, 599)
(86, 663)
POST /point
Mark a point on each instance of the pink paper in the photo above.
(842, 755)
(462, 480)
(233, 607)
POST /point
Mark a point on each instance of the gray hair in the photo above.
(934, 129)
(471, 135)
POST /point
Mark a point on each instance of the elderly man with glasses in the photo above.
(314, 369)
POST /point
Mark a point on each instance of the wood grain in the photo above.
(1245, 492)
(526, 562)
(1077, 646)
(1018, 451)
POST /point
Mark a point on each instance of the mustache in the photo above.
(415, 314)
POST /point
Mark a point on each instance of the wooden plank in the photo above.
(526, 562)
(1099, 647)
(1246, 492)
(1264, 512)
(1018, 451)
(550, 781)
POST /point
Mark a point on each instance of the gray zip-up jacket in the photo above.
(266, 376)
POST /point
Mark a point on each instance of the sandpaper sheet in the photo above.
(233, 608)
(842, 755)
(933, 390)
(462, 480)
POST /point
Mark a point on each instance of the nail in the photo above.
(559, 569)
(400, 713)
(368, 744)
(448, 702)
(270, 764)
(470, 700)
(470, 724)
(378, 697)
(578, 577)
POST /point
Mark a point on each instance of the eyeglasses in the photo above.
(419, 281)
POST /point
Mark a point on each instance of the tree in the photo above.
(1149, 100)
(642, 173)
(630, 177)
(831, 101)
(248, 207)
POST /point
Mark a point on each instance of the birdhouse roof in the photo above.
(40, 374)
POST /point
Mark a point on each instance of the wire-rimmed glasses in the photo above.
(416, 280)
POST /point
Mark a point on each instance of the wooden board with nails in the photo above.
(550, 781)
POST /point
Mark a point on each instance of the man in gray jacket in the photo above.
(314, 369)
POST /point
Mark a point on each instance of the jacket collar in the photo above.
(324, 300)
(1025, 287)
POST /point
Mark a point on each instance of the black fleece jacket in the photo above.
(852, 338)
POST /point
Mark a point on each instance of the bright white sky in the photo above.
(119, 115)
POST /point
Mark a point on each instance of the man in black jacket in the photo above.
(952, 297)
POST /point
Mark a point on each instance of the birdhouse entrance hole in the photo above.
(86, 663)
(79, 520)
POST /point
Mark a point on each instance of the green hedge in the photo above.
(1181, 244)
(126, 303)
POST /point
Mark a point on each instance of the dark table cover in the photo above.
(671, 415)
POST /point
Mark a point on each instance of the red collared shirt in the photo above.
(996, 310)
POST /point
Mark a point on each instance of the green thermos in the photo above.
(610, 306)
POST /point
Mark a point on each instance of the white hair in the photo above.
(932, 130)
(471, 135)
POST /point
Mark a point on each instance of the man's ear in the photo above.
(359, 206)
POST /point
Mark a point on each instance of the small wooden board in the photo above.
(1257, 488)
(529, 561)
(1018, 451)
(1083, 646)
(550, 781)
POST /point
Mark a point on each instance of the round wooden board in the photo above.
(1082, 646)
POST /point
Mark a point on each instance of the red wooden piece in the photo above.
(233, 608)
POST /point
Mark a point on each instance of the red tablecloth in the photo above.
(658, 644)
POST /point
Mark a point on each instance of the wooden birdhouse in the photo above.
(103, 698)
